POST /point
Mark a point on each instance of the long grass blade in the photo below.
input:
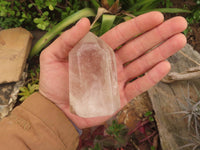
(95, 4)
(164, 10)
(141, 4)
(86, 12)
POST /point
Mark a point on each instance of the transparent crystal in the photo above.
(93, 86)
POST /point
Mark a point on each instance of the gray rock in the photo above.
(167, 99)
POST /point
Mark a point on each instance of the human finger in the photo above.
(60, 48)
(146, 41)
(145, 82)
(160, 53)
(129, 29)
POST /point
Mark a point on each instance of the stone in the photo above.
(167, 99)
(15, 45)
(93, 86)
(9, 93)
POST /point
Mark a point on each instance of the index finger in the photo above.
(129, 29)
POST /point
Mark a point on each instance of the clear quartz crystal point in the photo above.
(93, 87)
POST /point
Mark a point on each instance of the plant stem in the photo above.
(140, 124)
(148, 137)
(86, 12)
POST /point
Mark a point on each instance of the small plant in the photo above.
(117, 136)
(194, 143)
(116, 130)
(194, 16)
(191, 111)
(31, 85)
(149, 115)
(27, 91)
(41, 14)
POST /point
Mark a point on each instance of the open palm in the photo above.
(147, 42)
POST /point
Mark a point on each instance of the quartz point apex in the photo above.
(93, 86)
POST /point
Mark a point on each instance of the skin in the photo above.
(152, 31)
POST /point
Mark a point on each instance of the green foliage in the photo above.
(138, 7)
(42, 22)
(194, 17)
(116, 130)
(167, 3)
(45, 14)
(27, 91)
(32, 84)
(49, 11)
(41, 14)
(149, 115)
(116, 136)
(125, 10)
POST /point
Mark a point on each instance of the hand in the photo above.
(138, 36)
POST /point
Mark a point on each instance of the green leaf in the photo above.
(21, 20)
(151, 119)
(41, 26)
(95, 28)
(22, 99)
(164, 10)
(30, 5)
(107, 23)
(148, 113)
(140, 5)
(46, 13)
(36, 20)
(18, 14)
(95, 4)
(51, 7)
(23, 89)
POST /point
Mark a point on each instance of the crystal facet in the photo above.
(93, 86)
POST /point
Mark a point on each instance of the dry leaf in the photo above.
(104, 3)
(115, 7)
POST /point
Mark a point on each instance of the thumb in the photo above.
(60, 48)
